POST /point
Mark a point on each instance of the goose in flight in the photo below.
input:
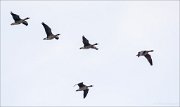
(49, 34)
(87, 45)
(18, 20)
(147, 55)
(84, 88)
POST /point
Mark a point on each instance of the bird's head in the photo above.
(14, 23)
(75, 85)
(90, 86)
(45, 39)
(81, 48)
(137, 55)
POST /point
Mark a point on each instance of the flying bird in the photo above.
(49, 34)
(84, 88)
(147, 55)
(18, 20)
(87, 45)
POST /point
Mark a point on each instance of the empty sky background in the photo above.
(35, 72)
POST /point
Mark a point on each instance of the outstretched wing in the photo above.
(47, 29)
(15, 17)
(81, 85)
(148, 57)
(86, 92)
(85, 41)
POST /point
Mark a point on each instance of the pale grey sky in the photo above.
(35, 72)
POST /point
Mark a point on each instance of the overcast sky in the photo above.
(35, 72)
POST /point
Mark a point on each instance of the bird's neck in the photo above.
(26, 18)
(90, 86)
(57, 34)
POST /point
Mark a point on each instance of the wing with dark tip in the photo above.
(47, 29)
(148, 57)
(15, 17)
(86, 92)
(81, 85)
(85, 41)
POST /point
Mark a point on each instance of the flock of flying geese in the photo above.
(87, 45)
